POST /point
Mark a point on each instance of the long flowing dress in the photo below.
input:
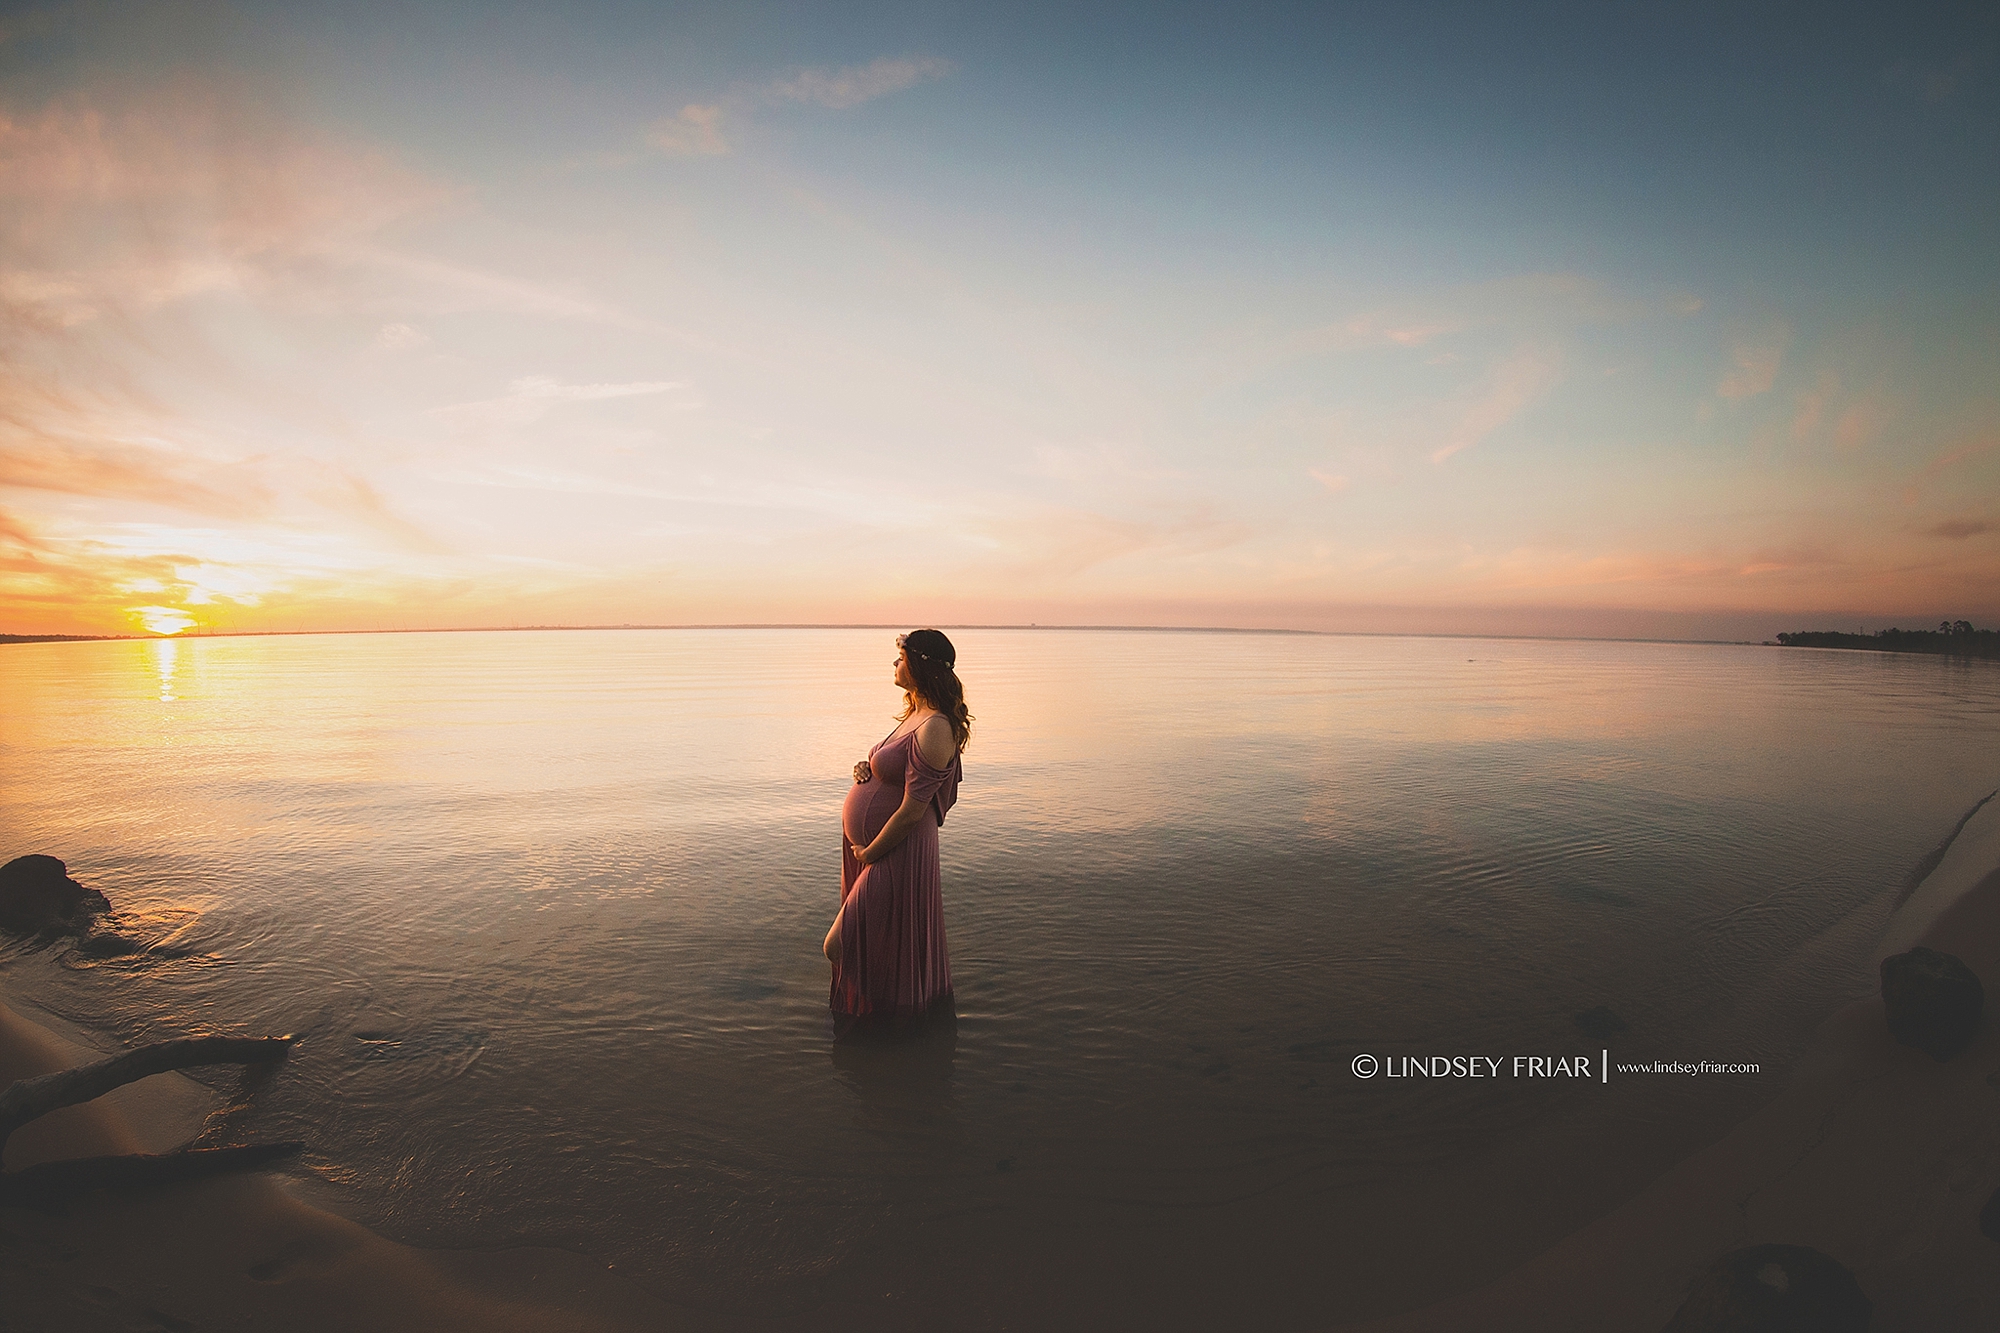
(893, 965)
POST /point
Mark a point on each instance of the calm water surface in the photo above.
(545, 909)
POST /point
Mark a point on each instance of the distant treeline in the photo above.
(59, 638)
(1957, 637)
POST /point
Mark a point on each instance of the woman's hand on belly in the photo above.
(898, 828)
(861, 819)
(863, 773)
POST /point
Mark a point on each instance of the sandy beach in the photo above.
(240, 1252)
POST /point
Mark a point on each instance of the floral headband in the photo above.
(929, 645)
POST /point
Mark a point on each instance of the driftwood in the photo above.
(31, 1098)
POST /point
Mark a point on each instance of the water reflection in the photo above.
(902, 1078)
(166, 654)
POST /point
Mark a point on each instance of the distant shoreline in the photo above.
(898, 626)
(1963, 641)
(69, 638)
(1984, 644)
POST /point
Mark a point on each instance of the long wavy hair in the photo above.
(931, 659)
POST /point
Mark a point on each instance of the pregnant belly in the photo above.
(867, 809)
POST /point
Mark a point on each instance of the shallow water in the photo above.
(545, 909)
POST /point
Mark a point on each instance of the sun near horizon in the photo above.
(166, 621)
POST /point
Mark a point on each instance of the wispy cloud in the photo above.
(442, 287)
(1945, 462)
(192, 156)
(1403, 329)
(1958, 529)
(1057, 544)
(852, 85)
(187, 192)
(529, 398)
(344, 492)
(1860, 423)
(698, 129)
(1097, 463)
(1810, 407)
(400, 338)
(1514, 384)
(1754, 364)
(1830, 412)
(15, 532)
(1951, 458)
(174, 193)
(544, 388)
(112, 578)
(156, 476)
(693, 131)
(77, 586)
(1530, 304)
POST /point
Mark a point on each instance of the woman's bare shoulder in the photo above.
(935, 741)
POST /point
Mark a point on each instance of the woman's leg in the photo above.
(850, 872)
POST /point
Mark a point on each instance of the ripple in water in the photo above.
(545, 911)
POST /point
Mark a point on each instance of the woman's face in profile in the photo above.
(903, 677)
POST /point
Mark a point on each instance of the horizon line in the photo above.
(833, 625)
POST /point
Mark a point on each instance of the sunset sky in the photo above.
(1474, 318)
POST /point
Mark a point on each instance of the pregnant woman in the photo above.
(887, 942)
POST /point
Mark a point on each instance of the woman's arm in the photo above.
(934, 743)
(892, 834)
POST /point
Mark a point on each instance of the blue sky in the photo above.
(1635, 321)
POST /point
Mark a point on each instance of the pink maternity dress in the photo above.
(893, 965)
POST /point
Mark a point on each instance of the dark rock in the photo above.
(1774, 1289)
(1600, 1024)
(1932, 1001)
(1989, 1217)
(37, 894)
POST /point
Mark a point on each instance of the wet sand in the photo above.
(1874, 1154)
(240, 1252)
